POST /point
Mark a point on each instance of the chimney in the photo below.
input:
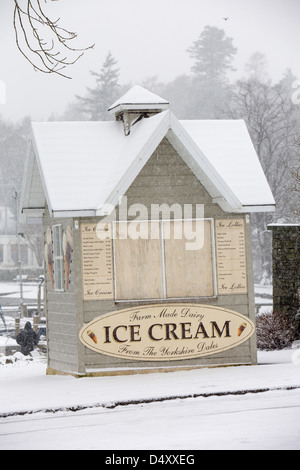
(136, 104)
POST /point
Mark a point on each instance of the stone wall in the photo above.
(286, 268)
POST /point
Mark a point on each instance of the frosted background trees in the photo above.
(98, 99)
(208, 91)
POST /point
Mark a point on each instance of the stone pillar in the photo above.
(286, 268)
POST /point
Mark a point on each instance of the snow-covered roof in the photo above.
(138, 98)
(229, 148)
(77, 167)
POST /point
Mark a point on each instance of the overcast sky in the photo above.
(147, 38)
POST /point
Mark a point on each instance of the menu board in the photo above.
(97, 261)
(231, 256)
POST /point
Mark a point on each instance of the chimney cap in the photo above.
(138, 99)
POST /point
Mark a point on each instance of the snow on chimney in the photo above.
(136, 104)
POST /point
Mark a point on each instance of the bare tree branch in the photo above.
(42, 42)
(293, 167)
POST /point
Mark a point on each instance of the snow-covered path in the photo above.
(224, 417)
(268, 420)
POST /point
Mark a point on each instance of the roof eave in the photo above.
(24, 200)
(138, 107)
(71, 213)
(36, 153)
(257, 208)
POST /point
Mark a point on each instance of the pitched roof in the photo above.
(229, 148)
(85, 165)
(137, 98)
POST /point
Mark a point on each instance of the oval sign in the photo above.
(166, 332)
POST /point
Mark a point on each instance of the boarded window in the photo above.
(138, 262)
(160, 260)
(188, 272)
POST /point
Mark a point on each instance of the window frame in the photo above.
(163, 261)
(58, 259)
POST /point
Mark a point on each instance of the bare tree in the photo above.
(42, 41)
(295, 175)
(34, 236)
(293, 168)
(273, 121)
(270, 118)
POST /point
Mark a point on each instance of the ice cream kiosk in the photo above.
(148, 250)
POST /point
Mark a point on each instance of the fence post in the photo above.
(17, 326)
(36, 321)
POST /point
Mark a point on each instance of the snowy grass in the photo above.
(28, 388)
(227, 410)
(242, 407)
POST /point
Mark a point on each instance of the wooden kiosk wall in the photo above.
(164, 179)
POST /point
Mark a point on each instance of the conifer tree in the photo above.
(213, 53)
(105, 92)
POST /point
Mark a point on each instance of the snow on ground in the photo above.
(266, 420)
(25, 386)
(12, 290)
(4, 343)
(242, 407)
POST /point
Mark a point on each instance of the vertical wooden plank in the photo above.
(189, 273)
(137, 262)
(78, 295)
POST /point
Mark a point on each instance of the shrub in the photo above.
(275, 331)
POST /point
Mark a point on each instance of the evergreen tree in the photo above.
(106, 91)
(213, 53)
(256, 67)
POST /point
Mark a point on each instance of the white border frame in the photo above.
(58, 258)
(162, 259)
